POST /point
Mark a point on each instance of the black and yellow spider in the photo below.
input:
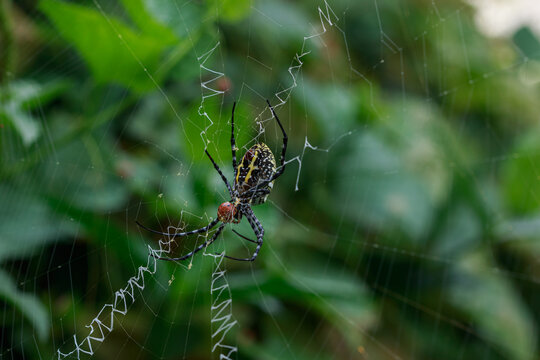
(253, 180)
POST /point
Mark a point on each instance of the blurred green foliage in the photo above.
(414, 232)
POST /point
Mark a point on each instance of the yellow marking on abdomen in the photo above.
(238, 168)
(251, 166)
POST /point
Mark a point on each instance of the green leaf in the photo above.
(462, 231)
(231, 10)
(23, 122)
(113, 51)
(522, 236)
(185, 23)
(294, 23)
(494, 307)
(386, 195)
(328, 103)
(28, 223)
(128, 247)
(27, 304)
(145, 20)
(21, 96)
(527, 229)
(338, 296)
(520, 175)
(101, 189)
(528, 43)
(395, 179)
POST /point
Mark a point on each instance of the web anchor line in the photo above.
(207, 90)
(328, 19)
(221, 310)
(103, 323)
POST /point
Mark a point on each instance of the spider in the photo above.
(253, 181)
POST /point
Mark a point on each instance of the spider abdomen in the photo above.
(257, 165)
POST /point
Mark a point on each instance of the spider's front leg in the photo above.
(220, 173)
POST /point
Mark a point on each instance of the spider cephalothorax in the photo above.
(227, 213)
(253, 180)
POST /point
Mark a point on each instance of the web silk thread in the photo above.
(123, 298)
(328, 19)
(221, 311)
(207, 90)
(326, 16)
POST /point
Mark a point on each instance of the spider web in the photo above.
(372, 250)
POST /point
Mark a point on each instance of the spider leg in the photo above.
(259, 236)
(281, 169)
(257, 229)
(172, 236)
(220, 173)
(244, 237)
(199, 248)
(233, 142)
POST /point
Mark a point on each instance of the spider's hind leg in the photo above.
(243, 237)
(257, 229)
